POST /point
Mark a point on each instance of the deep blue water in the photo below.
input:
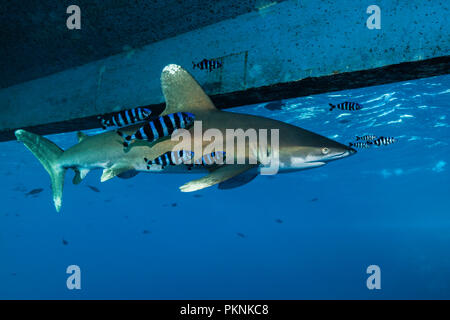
(309, 234)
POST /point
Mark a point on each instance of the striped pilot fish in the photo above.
(360, 144)
(383, 141)
(207, 64)
(174, 158)
(162, 127)
(368, 137)
(350, 106)
(126, 117)
(171, 158)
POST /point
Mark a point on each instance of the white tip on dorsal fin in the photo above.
(182, 92)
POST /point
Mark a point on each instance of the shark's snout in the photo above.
(351, 151)
(339, 152)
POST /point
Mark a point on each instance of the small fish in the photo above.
(241, 235)
(350, 106)
(273, 106)
(362, 145)
(174, 204)
(145, 232)
(314, 199)
(184, 157)
(383, 141)
(65, 242)
(162, 127)
(279, 221)
(207, 64)
(344, 121)
(126, 118)
(170, 158)
(93, 188)
(34, 191)
(369, 137)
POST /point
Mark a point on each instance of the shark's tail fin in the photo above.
(332, 106)
(48, 154)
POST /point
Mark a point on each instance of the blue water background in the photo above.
(303, 235)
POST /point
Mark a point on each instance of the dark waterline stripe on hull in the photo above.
(305, 87)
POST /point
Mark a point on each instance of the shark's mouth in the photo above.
(336, 156)
(333, 157)
(339, 155)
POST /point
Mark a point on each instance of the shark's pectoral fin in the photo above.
(182, 92)
(239, 180)
(107, 174)
(110, 173)
(128, 174)
(218, 175)
(80, 174)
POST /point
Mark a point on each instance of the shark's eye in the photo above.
(325, 150)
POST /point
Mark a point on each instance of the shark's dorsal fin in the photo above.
(81, 136)
(182, 92)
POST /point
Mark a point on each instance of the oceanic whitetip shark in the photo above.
(298, 148)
